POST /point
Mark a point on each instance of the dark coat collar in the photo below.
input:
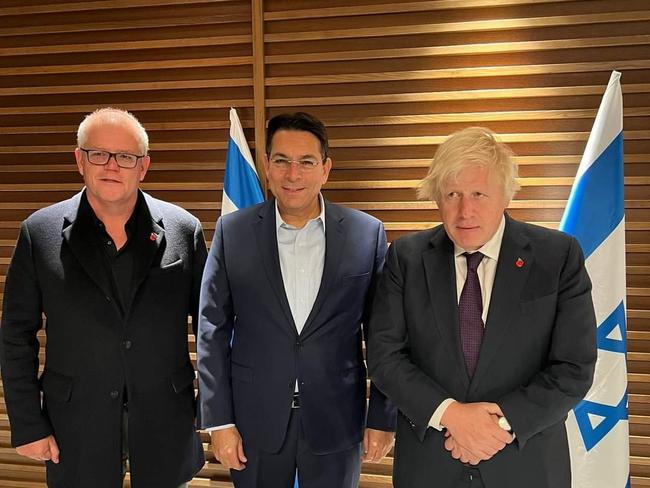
(78, 231)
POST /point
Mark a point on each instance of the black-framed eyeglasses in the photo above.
(101, 158)
(303, 164)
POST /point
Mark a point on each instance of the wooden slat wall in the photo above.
(390, 79)
(178, 64)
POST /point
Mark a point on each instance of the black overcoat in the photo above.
(95, 351)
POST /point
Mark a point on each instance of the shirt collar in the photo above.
(279, 222)
(130, 225)
(492, 247)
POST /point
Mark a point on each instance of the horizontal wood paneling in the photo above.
(178, 65)
(390, 79)
(391, 83)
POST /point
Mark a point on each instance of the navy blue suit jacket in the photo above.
(250, 381)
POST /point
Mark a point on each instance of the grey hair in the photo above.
(115, 116)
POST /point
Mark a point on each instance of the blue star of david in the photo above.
(611, 416)
(615, 319)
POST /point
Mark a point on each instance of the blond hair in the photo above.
(113, 116)
(471, 146)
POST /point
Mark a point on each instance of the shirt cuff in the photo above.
(438, 413)
(218, 427)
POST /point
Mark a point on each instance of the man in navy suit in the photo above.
(484, 333)
(284, 301)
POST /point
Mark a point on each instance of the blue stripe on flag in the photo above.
(240, 181)
(596, 204)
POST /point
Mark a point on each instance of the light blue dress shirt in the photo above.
(302, 258)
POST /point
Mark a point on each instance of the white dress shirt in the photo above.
(486, 271)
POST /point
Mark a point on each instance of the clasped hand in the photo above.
(473, 433)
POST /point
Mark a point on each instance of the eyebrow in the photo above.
(119, 151)
(304, 156)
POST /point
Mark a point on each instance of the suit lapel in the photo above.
(440, 275)
(509, 282)
(334, 245)
(149, 224)
(77, 232)
(267, 243)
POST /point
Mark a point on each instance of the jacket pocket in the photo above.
(241, 373)
(182, 378)
(167, 268)
(56, 386)
(531, 307)
(353, 277)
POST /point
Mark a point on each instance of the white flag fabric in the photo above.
(241, 185)
(598, 427)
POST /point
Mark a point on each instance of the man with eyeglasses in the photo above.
(115, 273)
(284, 300)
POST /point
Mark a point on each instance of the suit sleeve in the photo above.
(569, 369)
(21, 321)
(200, 254)
(216, 321)
(382, 414)
(412, 391)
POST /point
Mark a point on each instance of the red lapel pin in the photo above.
(519, 263)
(153, 236)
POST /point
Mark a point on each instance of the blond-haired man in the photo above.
(483, 332)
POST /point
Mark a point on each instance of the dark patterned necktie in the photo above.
(470, 308)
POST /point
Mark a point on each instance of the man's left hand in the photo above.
(376, 444)
(457, 452)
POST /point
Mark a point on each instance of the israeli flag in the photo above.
(598, 426)
(241, 185)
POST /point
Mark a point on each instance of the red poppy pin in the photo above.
(153, 236)
(519, 263)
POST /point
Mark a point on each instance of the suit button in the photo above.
(114, 394)
(108, 299)
(127, 344)
(298, 345)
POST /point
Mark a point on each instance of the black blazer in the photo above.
(536, 360)
(251, 382)
(94, 351)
